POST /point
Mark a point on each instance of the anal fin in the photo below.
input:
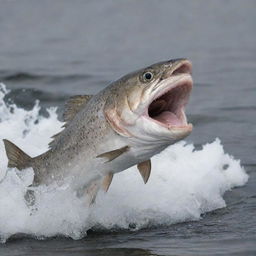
(92, 192)
(107, 181)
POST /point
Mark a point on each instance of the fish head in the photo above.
(149, 105)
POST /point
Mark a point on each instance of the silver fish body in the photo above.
(123, 125)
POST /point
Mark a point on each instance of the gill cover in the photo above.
(125, 99)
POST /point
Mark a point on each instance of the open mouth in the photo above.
(168, 108)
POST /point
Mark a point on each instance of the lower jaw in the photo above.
(180, 132)
(171, 120)
(185, 128)
(168, 118)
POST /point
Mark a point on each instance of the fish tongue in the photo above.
(168, 118)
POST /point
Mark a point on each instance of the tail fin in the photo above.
(17, 158)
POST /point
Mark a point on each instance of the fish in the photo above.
(125, 124)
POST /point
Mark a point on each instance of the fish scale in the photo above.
(113, 130)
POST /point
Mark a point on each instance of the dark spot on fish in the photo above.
(225, 167)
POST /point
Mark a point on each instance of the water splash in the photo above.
(184, 184)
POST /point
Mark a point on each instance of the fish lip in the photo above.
(170, 83)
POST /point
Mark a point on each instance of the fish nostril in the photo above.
(184, 68)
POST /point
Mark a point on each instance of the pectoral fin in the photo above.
(145, 170)
(107, 181)
(111, 155)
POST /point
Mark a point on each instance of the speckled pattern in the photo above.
(58, 49)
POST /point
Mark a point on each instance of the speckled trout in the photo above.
(123, 125)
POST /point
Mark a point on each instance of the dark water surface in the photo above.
(54, 49)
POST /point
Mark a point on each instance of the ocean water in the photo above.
(184, 185)
(201, 197)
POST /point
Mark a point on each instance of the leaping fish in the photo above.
(123, 125)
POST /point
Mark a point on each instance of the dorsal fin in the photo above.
(72, 107)
(54, 138)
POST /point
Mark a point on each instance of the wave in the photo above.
(184, 184)
(19, 76)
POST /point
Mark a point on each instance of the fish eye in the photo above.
(148, 76)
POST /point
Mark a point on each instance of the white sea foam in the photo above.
(184, 184)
